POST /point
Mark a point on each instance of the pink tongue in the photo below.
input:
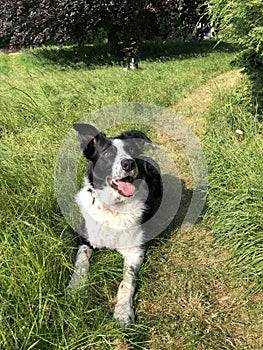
(126, 188)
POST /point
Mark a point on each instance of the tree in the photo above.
(36, 22)
(179, 17)
(242, 21)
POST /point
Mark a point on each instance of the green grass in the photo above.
(178, 301)
(236, 164)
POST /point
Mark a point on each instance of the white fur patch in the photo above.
(114, 226)
(80, 274)
(133, 259)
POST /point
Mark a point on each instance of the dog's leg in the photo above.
(80, 274)
(133, 259)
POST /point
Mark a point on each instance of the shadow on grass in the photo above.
(256, 78)
(93, 56)
(189, 207)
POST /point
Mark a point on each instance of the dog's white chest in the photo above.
(114, 227)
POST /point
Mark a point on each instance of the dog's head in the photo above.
(113, 162)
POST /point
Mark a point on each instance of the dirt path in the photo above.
(10, 52)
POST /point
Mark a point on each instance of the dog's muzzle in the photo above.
(123, 181)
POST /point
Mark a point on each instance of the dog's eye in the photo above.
(107, 154)
(131, 150)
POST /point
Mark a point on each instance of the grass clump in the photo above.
(234, 151)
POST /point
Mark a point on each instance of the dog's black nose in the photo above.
(128, 164)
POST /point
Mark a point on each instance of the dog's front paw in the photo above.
(77, 283)
(124, 314)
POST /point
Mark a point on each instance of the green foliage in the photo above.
(242, 21)
(253, 54)
(236, 18)
(36, 22)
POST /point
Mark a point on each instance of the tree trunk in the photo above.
(113, 46)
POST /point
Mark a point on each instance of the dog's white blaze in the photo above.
(117, 171)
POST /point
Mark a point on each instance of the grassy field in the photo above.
(199, 290)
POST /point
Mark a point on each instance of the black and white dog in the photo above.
(121, 193)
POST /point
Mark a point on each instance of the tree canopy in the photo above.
(26, 23)
(242, 21)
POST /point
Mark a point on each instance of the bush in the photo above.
(242, 22)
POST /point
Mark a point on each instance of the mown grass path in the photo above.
(192, 108)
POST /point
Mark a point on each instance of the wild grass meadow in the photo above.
(200, 290)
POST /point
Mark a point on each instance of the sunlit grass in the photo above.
(234, 152)
(39, 102)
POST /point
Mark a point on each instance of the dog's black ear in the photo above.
(134, 134)
(88, 136)
(138, 138)
(86, 133)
